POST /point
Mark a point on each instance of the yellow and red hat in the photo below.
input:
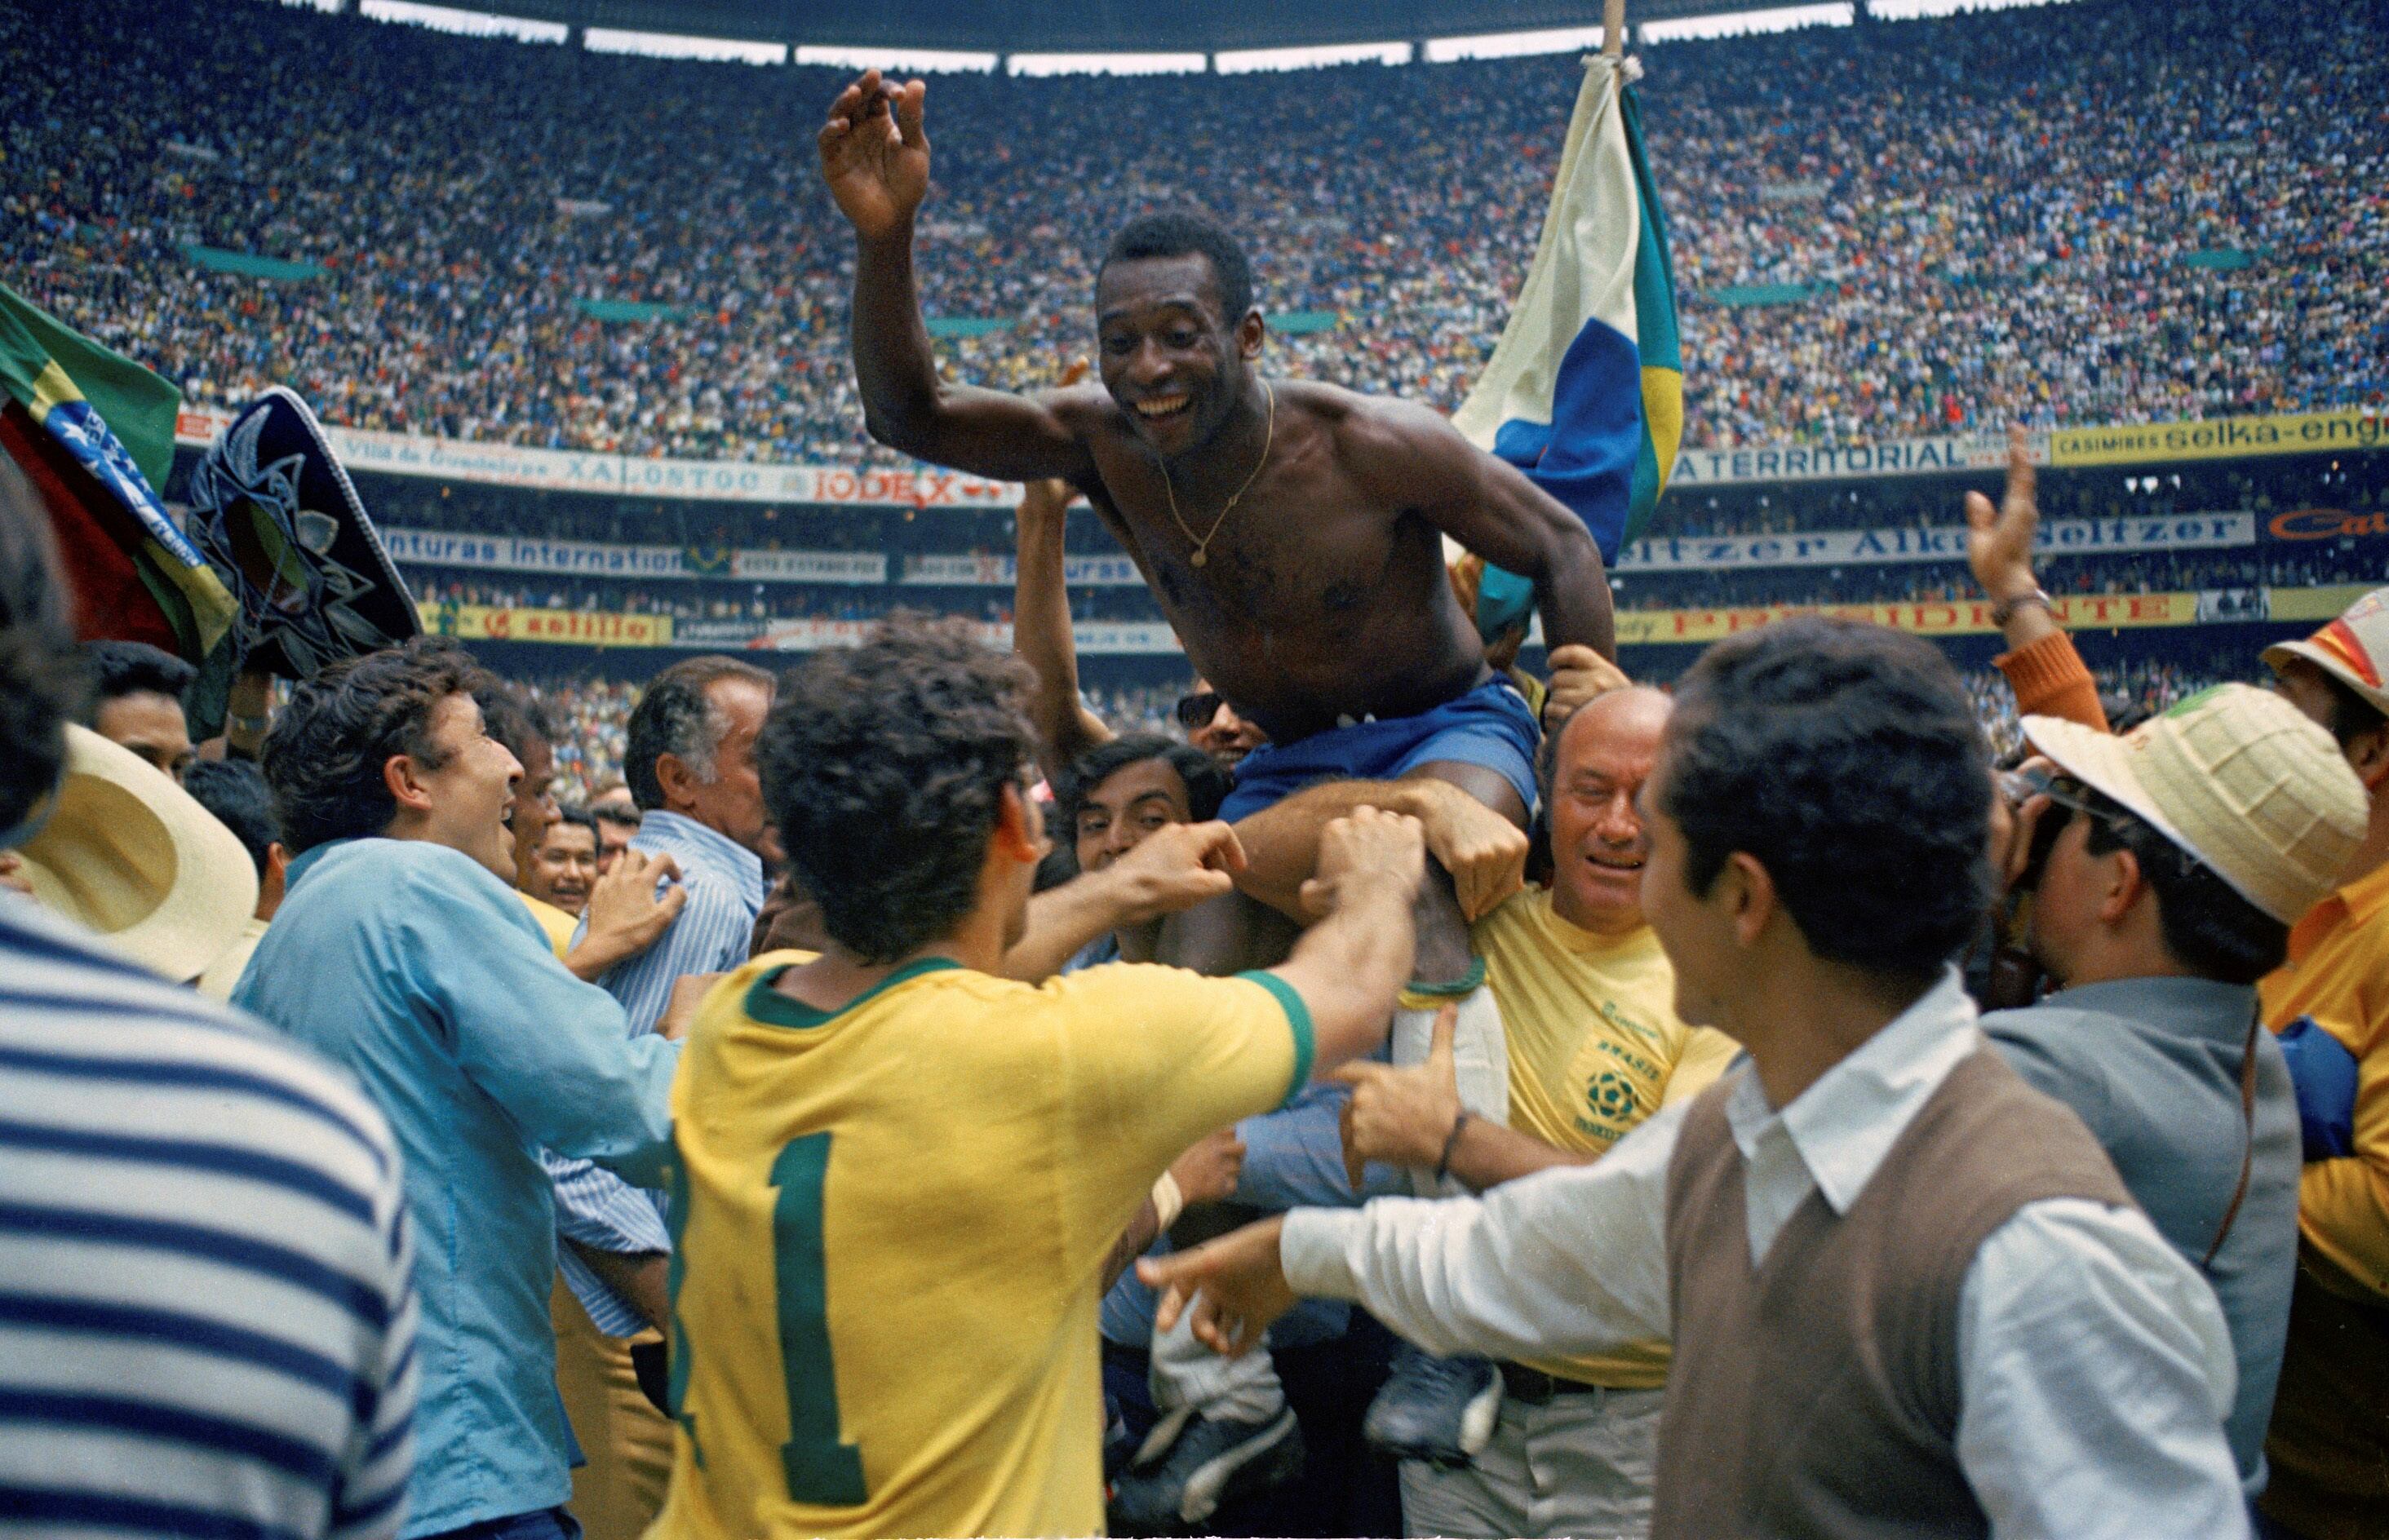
(2353, 649)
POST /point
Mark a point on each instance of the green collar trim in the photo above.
(1457, 988)
(774, 1009)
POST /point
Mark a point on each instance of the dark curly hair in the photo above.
(1207, 785)
(324, 756)
(43, 684)
(1189, 233)
(883, 767)
(1844, 759)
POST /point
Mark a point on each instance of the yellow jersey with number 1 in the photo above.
(890, 1220)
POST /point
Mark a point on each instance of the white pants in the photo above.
(1246, 1389)
(1580, 1464)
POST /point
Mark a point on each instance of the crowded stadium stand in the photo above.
(1890, 239)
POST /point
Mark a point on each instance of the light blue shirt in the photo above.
(2094, 1365)
(425, 974)
(711, 934)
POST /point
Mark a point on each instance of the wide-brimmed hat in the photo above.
(279, 518)
(136, 860)
(2353, 649)
(2238, 777)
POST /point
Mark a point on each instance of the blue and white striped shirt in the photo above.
(207, 1299)
(725, 891)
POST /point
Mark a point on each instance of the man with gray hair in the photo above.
(690, 761)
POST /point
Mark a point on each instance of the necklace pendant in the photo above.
(1198, 558)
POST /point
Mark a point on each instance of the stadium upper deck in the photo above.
(2098, 213)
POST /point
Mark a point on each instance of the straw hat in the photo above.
(2238, 777)
(134, 858)
(2353, 649)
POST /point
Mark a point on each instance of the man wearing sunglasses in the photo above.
(2166, 869)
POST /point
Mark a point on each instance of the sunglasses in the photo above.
(1196, 710)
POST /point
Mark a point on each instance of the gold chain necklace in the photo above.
(1203, 545)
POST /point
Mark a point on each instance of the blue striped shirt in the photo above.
(725, 891)
(207, 1305)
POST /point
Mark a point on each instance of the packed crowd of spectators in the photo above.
(1995, 214)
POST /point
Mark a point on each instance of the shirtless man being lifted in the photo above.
(1290, 530)
(1293, 534)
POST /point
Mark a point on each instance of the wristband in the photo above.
(1168, 1202)
(1451, 1142)
(2004, 610)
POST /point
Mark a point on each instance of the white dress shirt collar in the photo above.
(1842, 1126)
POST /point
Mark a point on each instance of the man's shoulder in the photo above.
(117, 1029)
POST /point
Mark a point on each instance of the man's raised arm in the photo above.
(1418, 460)
(874, 155)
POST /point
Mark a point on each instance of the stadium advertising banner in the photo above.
(2218, 439)
(2080, 612)
(572, 627)
(982, 571)
(2317, 604)
(1939, 455)
(2325, 524)
(595, 558)
(550, 470)
(1635, 628)
(927, 487)
(2062, 537)
(1113, 639)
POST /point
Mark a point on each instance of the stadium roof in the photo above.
(1129, 26)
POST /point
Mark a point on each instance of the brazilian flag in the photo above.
(94, 433)
(1585, 391)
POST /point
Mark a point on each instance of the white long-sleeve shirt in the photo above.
(2094, 1363)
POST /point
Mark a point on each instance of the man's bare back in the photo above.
(1320, 596)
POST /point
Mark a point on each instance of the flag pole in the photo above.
(1613, 28)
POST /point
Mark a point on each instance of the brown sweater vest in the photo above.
(1818, 1394)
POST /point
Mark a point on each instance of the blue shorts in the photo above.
(1489, 726)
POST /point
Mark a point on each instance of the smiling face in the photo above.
(564, 866)
(1125, 807)
(471, 789)
(1600, 844)
(1171, 360)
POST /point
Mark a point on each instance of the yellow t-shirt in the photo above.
(2338, 973)
(558, 925)
(1595, 1048)
(891, 1221)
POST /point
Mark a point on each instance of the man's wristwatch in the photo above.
(2004, 610)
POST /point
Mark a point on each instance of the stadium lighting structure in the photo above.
(1551, 40)
(1241, 62)
(448, 19)
(1776, 19)
(1108, 64)
(1921, 10)
(725, 50)
(909, 61)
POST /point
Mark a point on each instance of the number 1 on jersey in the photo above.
(821, 1471)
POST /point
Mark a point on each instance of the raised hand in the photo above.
(1578, 674)
(1234, 1285)
(1177, 867)
(1366, 844)
(1999, 541)
(1401, 1116)
(626, 915)
(874, 154)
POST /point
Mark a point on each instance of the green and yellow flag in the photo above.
(94, 433)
